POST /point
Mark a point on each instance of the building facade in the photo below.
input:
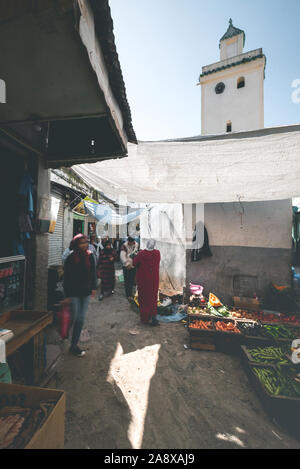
(233, 88)
(251, 242)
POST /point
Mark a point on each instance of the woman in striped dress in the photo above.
(106, 269)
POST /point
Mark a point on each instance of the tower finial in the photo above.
(230, 21)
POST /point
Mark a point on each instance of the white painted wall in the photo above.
(244, 107)
(231, 47)
(264, 224)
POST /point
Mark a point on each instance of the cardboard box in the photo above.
(244, 302)
(51, 434)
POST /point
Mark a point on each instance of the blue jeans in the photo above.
(79, 309)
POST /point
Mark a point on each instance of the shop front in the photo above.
(25, 350)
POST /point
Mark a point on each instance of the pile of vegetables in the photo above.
(227, 327)
(278, 332)
(197, 310)
(274, 355)
(204, 325)
(289, 319)
(197, 301)
(268, 331)
(264, 317)
(221, 311)
(278, 382)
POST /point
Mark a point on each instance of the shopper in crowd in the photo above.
(117, 247)
(106, 269)
(103, 241)
(128, 251)
(138, 234)
(94, 246)
(66, 253)
(80, 282)
(147, 277)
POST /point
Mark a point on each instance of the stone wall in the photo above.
(256, 244)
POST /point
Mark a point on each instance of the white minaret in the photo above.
(233, 88)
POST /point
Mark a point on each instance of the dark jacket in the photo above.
(77, 281)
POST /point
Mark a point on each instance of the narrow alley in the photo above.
(138, 387)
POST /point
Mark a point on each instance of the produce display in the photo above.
(226, 327)
(278, 332)
(290, 319)
(278, 382)
(217, 311)
(265, 330)
(204, 325)
(214, 301)
(197, 310)
(197, 300)
(19, 424)
(264, 317)
(275, 355)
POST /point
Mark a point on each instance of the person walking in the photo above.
(147, 277)
(128, 251)
(94, 246)
(106, 269)
(80, 283)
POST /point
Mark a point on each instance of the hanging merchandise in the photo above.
(44, 214)
(54, 208)
(25, 212)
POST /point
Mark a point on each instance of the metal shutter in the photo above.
(56, 238)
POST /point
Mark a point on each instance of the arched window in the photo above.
(229, 126)
(241, 82)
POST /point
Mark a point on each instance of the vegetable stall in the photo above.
(265, 341)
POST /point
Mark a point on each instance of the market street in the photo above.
(138, 387)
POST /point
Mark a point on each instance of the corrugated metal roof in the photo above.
(104, 30)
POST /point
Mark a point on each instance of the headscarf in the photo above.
(150, 244)
(78, 253)
(105, 244)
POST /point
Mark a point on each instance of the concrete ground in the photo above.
(138, 387)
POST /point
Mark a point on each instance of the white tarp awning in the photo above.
(250, 166)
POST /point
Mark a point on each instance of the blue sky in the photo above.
(163, 44)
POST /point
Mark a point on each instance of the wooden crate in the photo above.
(228, 342)
(285, 410)
(51, 434)
(201, 339)
(246, 356)
(203, 343)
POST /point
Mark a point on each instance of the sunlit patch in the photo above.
(132, 373)
(240, 430)
(230, 438)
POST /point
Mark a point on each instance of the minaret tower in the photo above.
(233, 88)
